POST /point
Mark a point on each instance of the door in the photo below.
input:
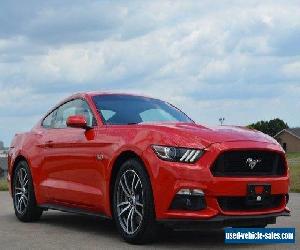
(73, 174)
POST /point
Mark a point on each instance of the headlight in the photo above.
(177, 154)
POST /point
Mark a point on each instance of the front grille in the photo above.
(238, 163)
(242, 203)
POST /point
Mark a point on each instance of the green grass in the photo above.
(293, 155)
(295, 178)
(294, 164)
(3, 185)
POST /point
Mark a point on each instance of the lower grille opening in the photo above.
(242, 203)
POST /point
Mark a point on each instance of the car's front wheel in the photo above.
(24, 200)
(133, 203)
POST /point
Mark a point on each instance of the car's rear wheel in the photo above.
(24, 200)
(133, 204)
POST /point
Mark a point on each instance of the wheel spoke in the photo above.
(124, 189)
(19, 204)
(24, 202)
(20, 178)
(132, 184)
(123, 203)
(138, 213)
(131, 220)
(124, 209)
(126, 184)
(25, 183)
(25, 197)
(139, 204)
(137, 183)
(24, 178)
(128, 218)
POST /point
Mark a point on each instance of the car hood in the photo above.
(192, 134)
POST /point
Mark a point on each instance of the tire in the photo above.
(24, 200)
(133, 207)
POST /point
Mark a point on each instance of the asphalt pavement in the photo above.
(58, 230)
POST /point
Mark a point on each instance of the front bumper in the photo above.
(222, 221)
(167, 178)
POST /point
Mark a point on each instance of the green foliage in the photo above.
(294, 165)
(271, 127)
(3, 185)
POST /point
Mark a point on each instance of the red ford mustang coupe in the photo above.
(145, 164)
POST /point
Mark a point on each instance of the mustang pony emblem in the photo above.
(251, 163)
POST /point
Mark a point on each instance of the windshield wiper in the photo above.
(132, 123)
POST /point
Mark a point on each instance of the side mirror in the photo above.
(77, 121)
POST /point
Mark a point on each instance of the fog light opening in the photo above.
(193, 192)
(189, 199)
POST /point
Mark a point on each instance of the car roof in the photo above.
(90, 94)
(96, 93)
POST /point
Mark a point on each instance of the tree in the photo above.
(271, 127)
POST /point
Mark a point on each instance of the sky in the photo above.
(234, 59)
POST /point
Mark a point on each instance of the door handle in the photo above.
(49, 144)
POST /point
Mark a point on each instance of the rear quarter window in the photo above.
(49, 120)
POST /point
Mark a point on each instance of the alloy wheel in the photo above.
(21, 194)
(130, 201)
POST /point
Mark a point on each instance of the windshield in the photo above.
(126, 109)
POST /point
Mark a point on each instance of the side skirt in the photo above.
(72, 210)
